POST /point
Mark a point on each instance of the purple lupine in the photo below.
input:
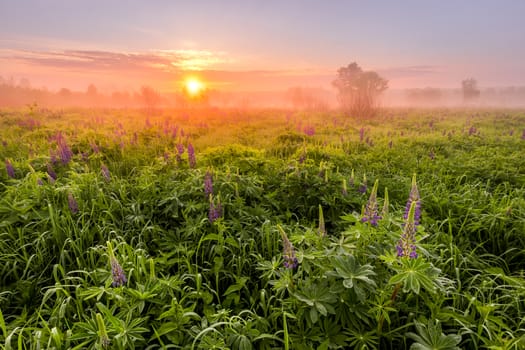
(191, 156)
(344, 190)
(105, 172)
(72, 203)
(352, 179)
(10, 169)
(523, 135)
(309, 130)
(208, 184)
(119, 277)
(363, 186)
(180, 152)
(413, 197)
(472, 130)
(370, 212)
(51, 172)
(39, 182)
(431, 154)
(290, 260)
(94, 148)
(406, 246)
(390, 144)
(361, 134)
(64, 152)
(215, 211)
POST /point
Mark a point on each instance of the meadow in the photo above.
(262, 229)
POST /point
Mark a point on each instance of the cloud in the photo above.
(410, 71)
(91, 60)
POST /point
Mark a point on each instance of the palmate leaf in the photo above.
(319, 298)
(415, 274)
(355, 276)
(430, 337)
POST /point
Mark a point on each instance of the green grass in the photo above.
(197, 284)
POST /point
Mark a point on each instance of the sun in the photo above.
(194, 86)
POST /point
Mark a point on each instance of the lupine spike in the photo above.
(208, 184)
(103, 334)
(352, 178)
(345, 189)
(386, 204)
(413, 197)
(191, 156)
(322, 228)
(72, 203)
(10, 169)
(363, 186)
(105, 173)
(406, 246)
(370, 213)
(119, 277)
(290, 260)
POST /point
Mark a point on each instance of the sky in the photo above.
(251, 45)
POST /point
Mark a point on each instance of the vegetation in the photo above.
(228, 229)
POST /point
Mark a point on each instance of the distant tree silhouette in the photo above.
(150, 97)
(470, 89)
(359, 90)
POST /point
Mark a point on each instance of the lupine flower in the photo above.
(39, 182)
(431, 154)
(386, 204)
(117, 273)
(290, 260)
(406, 246)
(472, 130)
(352, 178)
(64, 151)
(208, 184)
(370, 213)
(523, 135)
(103, 334)
(215, 210)
(390, 144)
(344, 190)
(361, 134)
(94, 148)
(119, 277)
(191, 156)
(72, 203)
(105, 172)
(180, 152)
(363, 186)
(322, 228)
(309, 130)
(10, 169)
(51, 172)
(413, 198)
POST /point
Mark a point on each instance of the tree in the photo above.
(150, 97)
(470, 89)
(359, 90)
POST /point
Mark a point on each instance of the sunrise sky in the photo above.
(248, 45)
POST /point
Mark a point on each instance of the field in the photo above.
(262, 229)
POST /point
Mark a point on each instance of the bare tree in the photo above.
(359, 90)
(470, 89)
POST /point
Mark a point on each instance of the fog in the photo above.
(20, 93)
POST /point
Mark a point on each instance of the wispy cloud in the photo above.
(410, 71)
(166, 60)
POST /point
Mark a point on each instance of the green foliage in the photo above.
(196, 283)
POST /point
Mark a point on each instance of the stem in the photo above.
(392, 300)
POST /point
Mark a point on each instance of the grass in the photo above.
(192, 282)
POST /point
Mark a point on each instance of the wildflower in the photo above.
(191, 156)
(363, 186)
(103, 334)
(406, 246)
(472, 130)
(370, 213)
(215, 210)
(523, 135)
(309, 130)
(117, 273)
(208, 184)
(39, 182)
(344, 190)
(72, 203)
(322, 228)
(361, 134)
(10, 169)
(390, 144)
(352, 178)
(180, 152)
(386, 204)
(105, 173)
(51, 173)
(413, 198)
(64, 151)
(94, 148)
(290, 260)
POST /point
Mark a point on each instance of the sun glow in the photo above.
(194, 87)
